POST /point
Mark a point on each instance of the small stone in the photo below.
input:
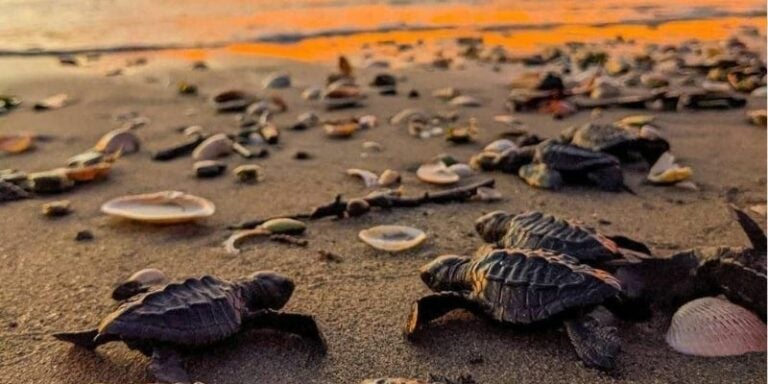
(57, 208)
(414, 94)
(209, 168)
(84, 235)
(301, 155)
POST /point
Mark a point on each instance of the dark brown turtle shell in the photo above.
(570, 158)
(524, 286)
(197, 311)
(537, 230)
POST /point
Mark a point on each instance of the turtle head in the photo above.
(267, 290)
(445, 273)
(492, 226)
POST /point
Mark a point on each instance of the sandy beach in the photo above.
(51, 282)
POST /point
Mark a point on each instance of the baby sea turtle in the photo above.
(195, 313)
(537, 230)
(616, 141)
(581, 165)
(523, 286)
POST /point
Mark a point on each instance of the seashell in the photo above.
(760, 209)
(714, 327)
(231, 101)
(53, 102)
(406, 115)
(500, 146)
(357, 207)
(649, 132)
(16, 143)
(11, 192)
(277, 80)
(121, 140)
(213, 147)
(311, 93)
(85, 159)
(166, 207)
(248, 173)
(636, 121)
(342, 96)
(392, 238)
(139, 282)
(232, 242)
(369, 178)
(306, 120)
(57, 208)
(715, 86)
(284, 225)
(666, 171)
(759, 92)
(461, 169)
(541, 176)
(88, 172)
(13, 176)
(187, 89)
(50, 181)
(446, 94)
(488, 194)
(757, 117)
(466, 101)
(340, 130)
(437, 173)
(372, 146)
(367, 122)
(507, 119)
(388, 178)
(270, 133)
(209, 168)
(149, 276)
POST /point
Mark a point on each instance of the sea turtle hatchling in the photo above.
(523, 286)
(579, 165)
(616, 141)
(195, 313)
(537, 230)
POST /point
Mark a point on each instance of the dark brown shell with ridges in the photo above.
(536, 230)
(193, 312)
(524, 286)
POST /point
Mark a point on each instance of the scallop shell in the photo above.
(714, 327)
(437, 173)
(369, 178)
(120, 140)
(213, 147)
(167, 207)
(392, 238)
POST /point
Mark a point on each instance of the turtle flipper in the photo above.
(594, 340)
(433, 306)
(85, 339)
(166, 366)
(751, 228)
(295, 323)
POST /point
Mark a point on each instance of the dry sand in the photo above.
(50, 282)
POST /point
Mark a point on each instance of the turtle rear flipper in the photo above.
(433, 306)
(751, 228)
(295, 323)
(595, 341)
(85, 339)
(166, 366)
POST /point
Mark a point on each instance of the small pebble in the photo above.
(301, 155)
(209, 168)
(414, 94)
(84, 235)
(57, 208)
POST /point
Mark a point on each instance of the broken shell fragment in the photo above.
(88, 172)
(757, 117)
(311, 93)
(714, 327)
(407, 115)
(666, 171)
(270, 133)
(637, 121)
(436, 173)
(446, 94)
(487, 194)
(388, 178)
(121, 140)
(16, 143)
(340, 130)
(461, 169)
(53, 102)
(85, 159)
(213, 147)
(306, 120)
(392, 238)
(167, 207)
(231, 101)
(466, 101)
(284, 226)
(248, 173)
(139, 282)
(369, 178)
(500, 146)
(57, 208)
(232, 242)
(342, 96)
(54, 181)
(209, 168)
(277, 80)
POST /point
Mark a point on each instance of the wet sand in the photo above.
(51, 282)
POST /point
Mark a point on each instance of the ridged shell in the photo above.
(714, 327)
(392, 238)
(194, 312)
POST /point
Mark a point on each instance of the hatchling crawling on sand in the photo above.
(195, 313)
(537, 230)
(525, 287)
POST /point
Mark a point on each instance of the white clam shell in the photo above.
(466, 101)
(213, 147)
(437, 173)
(392, 238)
(369, 178)
(122, 140)
(167, 207)
(149, 276)
(715, 327)
(461, 169)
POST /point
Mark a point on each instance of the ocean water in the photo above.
(60, 25)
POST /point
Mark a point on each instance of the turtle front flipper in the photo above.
(85, 339)
(433, 306)
(295, 323)
(752, 229)
(594, 340)
(127, 290)
(166, 366)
